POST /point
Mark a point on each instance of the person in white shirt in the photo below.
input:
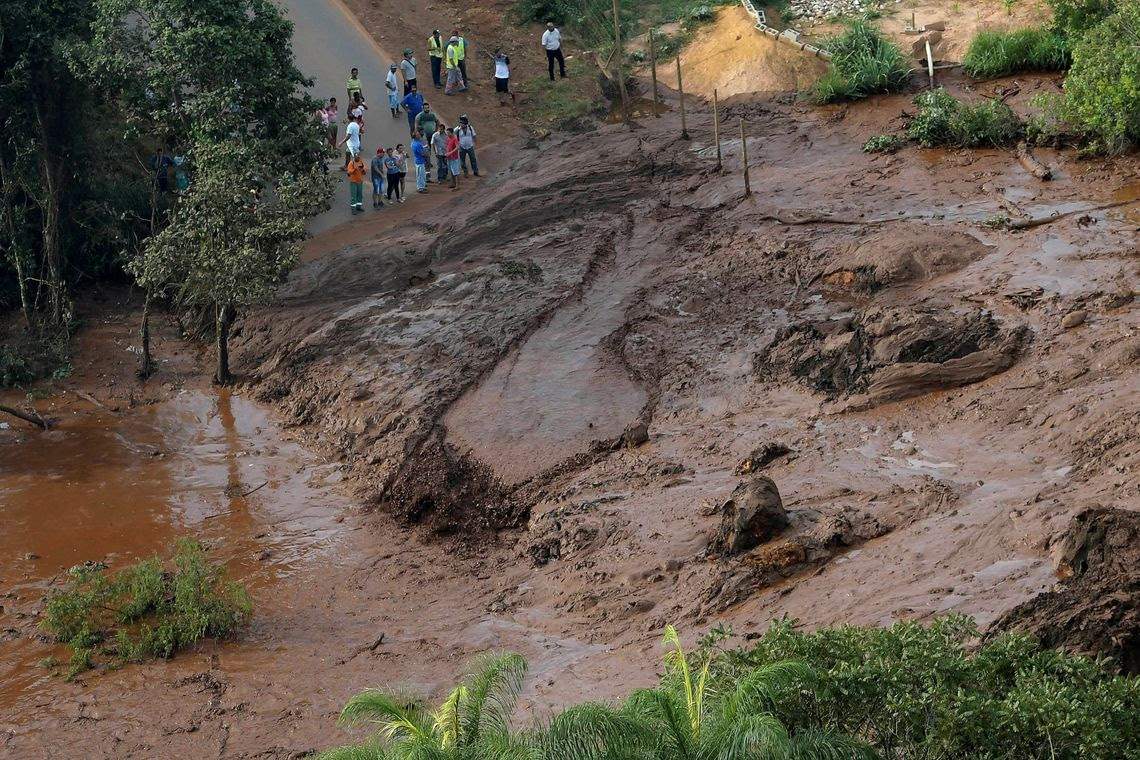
(466, 134)
(552, 41)
(392, 85)
(503, 76)
(351, 140)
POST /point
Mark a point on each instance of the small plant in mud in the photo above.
(884, 144)
(863, 62)
(942, 120)
(144, 610)
(517, 270)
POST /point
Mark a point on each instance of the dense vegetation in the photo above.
(996, 54)
(943, 120)
(863, 62)
(97, 97)
(1102, 90)
(908, 691)
(144, 610)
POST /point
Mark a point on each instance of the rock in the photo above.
(1074, 319)
(761, 457)
(752, 516)
(635, 435)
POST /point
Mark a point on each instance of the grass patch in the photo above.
(849, 692)
(944, 121)
(996, 54)
(32, 356)
(564, 104)
(144, 610)
(863, 63)
(884, 144)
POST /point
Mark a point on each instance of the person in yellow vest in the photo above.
(435, 52)
(455, 80)
(462, 53)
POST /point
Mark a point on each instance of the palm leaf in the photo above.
(592, 731)
(398, 717)
(660, 709)
(492, 689)
(446, 717)
(354, 752)
(814, 744)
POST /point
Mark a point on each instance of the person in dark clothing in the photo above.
(377, 172)
(161, 164)
(552, 42)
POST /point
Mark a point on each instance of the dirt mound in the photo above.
(886, 354)
(732, 57)
(901, 256)
(1095, 610)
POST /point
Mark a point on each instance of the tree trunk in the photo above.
(52, 137)
(146, 365)
(15, 255)
(222, 375)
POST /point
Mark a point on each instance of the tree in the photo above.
(232, 237)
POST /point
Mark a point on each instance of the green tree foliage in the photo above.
(863, 62)
(1102, 91)
(1072, 18)
(908, 691)
(144, 610)
(233, 236)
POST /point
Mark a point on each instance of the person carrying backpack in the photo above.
(465, 133)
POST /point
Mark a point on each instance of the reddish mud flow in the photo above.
(114, 488)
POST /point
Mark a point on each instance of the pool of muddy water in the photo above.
(114, 487)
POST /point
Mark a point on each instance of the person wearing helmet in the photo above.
(461, 50)
(455, 79)
(408, 69)
(435, 52)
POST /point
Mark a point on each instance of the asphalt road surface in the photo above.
(328, 42)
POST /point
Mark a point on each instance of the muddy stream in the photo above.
(115, 487)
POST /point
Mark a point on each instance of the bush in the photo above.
(863, 62)
(1047, 126)
(144, 610)
(884, 144)
(996, 54)
(1073, 18)
(1102, 91)
(944, 121)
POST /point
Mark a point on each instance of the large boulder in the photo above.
(753, 515)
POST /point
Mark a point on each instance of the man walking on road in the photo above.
(455, 79)
(352, 85)
(408, 69)
(392, 84)
(351, 141)
(435, 51)
(461, 49)
(466, 135)
(413, 104)
(420, 155)
(439, 148)
(552, 41)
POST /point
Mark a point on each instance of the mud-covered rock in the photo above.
(635, 435)
(901, 256)
(1095, 609)
(761, 456)
(892, 353)
(753, 515)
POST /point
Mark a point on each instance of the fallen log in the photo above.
(1026, 158)
(1026, 224)
(30, 417)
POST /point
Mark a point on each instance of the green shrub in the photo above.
(996, 54)
(1047, 125)
(863, 62)
(1102, 91)
(1073, 18)
(144, 610)
(943, 121)
(884, 144)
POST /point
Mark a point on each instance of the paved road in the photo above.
(328, 42)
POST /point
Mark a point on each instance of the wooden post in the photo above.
(681, 90)
(653, 69)
(716, 129)
(618, 53)
(930, 63)
(744, 148)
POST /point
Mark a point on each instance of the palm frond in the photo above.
(745, 737)
(662, 712)
(369, 751)
(764, 688)
(592, 731)
(397, 716)
(446, 717)
(814, 744)
(504, 746)
(492, 689)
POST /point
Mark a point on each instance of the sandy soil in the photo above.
(946, 414)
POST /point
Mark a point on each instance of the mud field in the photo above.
(530, 416)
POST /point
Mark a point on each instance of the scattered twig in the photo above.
(254, 489)
(1025, 224)
(1026, 158)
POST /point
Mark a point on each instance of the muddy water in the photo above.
(114, 487)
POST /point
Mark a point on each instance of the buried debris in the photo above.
(1095, 609)
(907, 254)
(753, 515)
(761, 456)
(1030, 163)
(892, 353)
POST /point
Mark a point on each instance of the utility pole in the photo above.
(653, 69)
(619, 54)
(681, 90)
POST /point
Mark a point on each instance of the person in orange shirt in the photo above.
(356, 184)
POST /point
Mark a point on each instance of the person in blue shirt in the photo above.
(422, 158)
(413, 103)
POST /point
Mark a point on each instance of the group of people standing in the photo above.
(450, 150)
